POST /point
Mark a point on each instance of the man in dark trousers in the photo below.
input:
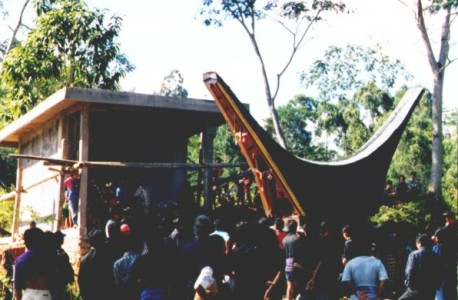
(423, 271)
(293, 245)
(64, 270)
(446, 247)
(95, 277)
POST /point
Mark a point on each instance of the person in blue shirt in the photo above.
(423, 271)
(72, 184)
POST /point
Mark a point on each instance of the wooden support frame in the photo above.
(84, 180)
(207, 146)
(17, 200)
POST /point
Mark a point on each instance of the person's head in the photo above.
(438, 236)
(216, 246)
(74, 174)
(33, 237)
(279, 224)
(422, 240)
(202, 226)
(310, 228)
(128, 213)
(389, 183)
(402, 178)
(59, 237)
(177, 223)
(324, 229)
(49, 242)
(115, 213)
(347, 232)
(131, 242)
(291, 226)
(413, 175)
(449, 218)
(218, 224)
(97, 238)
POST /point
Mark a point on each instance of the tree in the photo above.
(414, 149)
(296, 17)
(70, 46)
(172, 85)
(438, 66)
(342, 71)
(298, 118)
(19, 24)
(351, 102)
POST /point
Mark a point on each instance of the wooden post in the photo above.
(179, 176)
(61, 152)
(200, 172)
(17, 200)
(207, 146)
(83, 156)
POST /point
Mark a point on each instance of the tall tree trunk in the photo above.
(270, 99)
(438, 69)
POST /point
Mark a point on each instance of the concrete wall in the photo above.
(39, 199)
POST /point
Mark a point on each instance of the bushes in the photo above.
(410, 213)
(6, 214)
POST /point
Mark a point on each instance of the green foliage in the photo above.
(193, 157)
(437, 5)
(172, 85)
(8, 168)
(6, 214)
(6, 286)
(70, 46)
(351, 102)
(414, 149)
(411, 213)
(226, 148)
(216, 12)
(341, 72)
(74, 291)
(352, 121)
(297, 118)
(449, 180)
(346, 124)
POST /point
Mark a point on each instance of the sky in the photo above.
(159, 36)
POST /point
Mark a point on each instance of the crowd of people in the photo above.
(403, 191)
(233, 253)
(44, 270)
(148, 251)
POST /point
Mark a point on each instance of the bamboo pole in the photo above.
(8, 196)
(12, 194)
(135, 165)
(17, 200)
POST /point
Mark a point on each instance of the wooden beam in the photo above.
(135, 165)
(56, 161)
(147, 165)
(8, 196)
(17, 200)
(24, 189)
